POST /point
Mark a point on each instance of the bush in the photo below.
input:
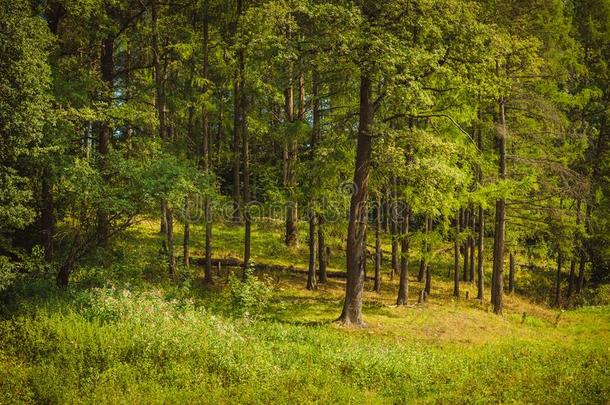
(249, 297)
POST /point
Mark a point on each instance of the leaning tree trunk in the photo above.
(352, 306)
(403, 286)
(498, 265)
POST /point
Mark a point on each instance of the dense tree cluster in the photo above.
(441, 124)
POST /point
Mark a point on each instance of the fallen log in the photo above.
(234, 262)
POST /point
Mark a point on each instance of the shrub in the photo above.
(249, 297)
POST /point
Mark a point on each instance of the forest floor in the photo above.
(124, 333)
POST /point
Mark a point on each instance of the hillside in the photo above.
(140, 339)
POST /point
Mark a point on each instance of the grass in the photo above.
(125, 334)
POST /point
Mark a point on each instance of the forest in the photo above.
(305, 201)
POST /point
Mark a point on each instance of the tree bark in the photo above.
(323, 259)
(511, 273)
(237, 122)
(105, 132)
(206, 135)
(480, 258)
(377, 285)
(291, 234)
(422, 263)
(312, 283)
(481, 218)
(466, 246)
(428, 287)
(187, 238)
(47, 214)
(246, 169)
(456, 259)
(581, 273)
(352, 306)
(315, 132)
(403, 286)
(471, 249)
(394, 229)
(170, 241)
(571, 281)
(498, 265)
(557, 297)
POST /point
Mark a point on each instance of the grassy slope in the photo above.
(157, 342)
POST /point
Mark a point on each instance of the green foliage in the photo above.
(249, 297)
(24, 102)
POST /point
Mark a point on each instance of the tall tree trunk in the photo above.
(237, 122)
(456, 259)
(394, 228)
(315, 133)
(511, 272)
(581, 273)
(246, 170)
(466, 245)
(422, 263)
(571, 280)
(186, 259)
(322, 257)
(291, 235)
(206, 135)
(557, 296)
(583, 253)
(472, 245)
(498, 265)
(480, 258)
(352, 306)
(47, 214)
(378, 212)
(428, 287)
(481, 219)
(105, 132)
(403, 286)
(159, 94)
(170, 241)
(312, 283)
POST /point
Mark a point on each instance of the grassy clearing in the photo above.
(139, 338)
